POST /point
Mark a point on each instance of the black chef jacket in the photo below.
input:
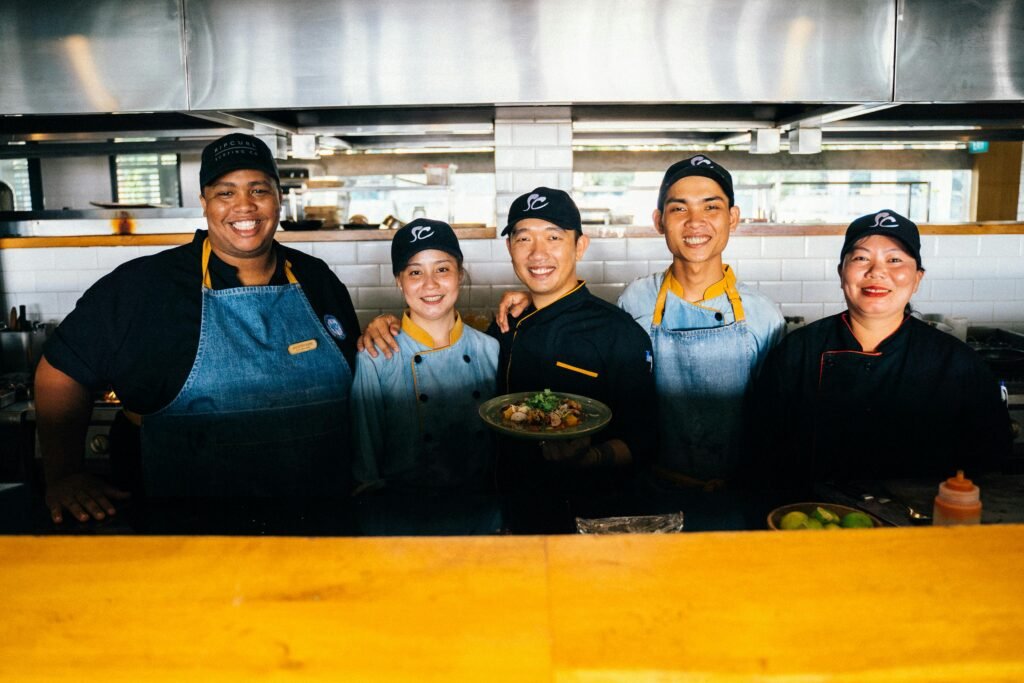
(137, 329)
(578, 345)
(923, 405)
(584, 345)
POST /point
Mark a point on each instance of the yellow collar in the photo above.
(718, 289)
(579, 283)
(208, 249)
(423, 337)
(727, 285)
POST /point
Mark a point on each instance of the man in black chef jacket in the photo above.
(568, 341)
(232, 356)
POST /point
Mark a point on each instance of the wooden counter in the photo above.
(918, 604)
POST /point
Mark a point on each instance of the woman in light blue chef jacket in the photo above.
(423, 457)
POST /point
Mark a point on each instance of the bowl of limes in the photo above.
(820, 516)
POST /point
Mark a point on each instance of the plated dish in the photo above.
(545, 415)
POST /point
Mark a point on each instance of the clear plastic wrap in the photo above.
(641, 524)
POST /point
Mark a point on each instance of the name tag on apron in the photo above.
(302, 346)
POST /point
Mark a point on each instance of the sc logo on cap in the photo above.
(421, 232)
(700, 161)
(536, 201)
(884, 219)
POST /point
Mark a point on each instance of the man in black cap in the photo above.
(232, 356)
(568, 341)
(710, 334)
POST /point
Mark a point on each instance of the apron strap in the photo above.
(733, 294)
(730, 291)
(208, 249)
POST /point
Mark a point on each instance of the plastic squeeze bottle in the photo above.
(958, 502)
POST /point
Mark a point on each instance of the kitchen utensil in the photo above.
(391, 223)
(915, 515)
(596, 416)
(776, 515)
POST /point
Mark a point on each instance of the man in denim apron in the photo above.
(235, 362)
(710, 334)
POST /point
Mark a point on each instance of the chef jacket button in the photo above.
(418, 358)
(476, 394)
(718, 316)
(423, 398)
(466, 358)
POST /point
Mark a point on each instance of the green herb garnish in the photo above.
(545, 401)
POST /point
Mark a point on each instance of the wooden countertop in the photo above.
(935, 604)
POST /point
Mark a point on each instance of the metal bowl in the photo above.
(776, 515)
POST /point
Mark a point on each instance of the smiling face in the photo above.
(544, 257)
(878, 277)
(696, 220)
(242, 209)
(430, 284)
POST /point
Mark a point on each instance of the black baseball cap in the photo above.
(888, 223)
(696, 165)
(555, 206)
(235, 152)
(420, 235)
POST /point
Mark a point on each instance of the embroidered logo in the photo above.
(700, 161)
(421, 232)
(334, 327)
(536, 201)
(884, 219)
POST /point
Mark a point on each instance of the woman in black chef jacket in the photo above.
(874, 393)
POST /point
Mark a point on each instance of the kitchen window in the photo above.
(835, 196)
(14, 173)
(146, 179)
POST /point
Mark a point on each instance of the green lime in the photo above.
(832, 525)
(812, 523)
(825, 515)
(793, 520)
(857, 520)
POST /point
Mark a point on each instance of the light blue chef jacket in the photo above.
(264, 411)
(706, 355)
(415, 420)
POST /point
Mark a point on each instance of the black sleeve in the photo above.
(635, 406)
(79, 346)
(776, 459)
(136, 330)
(986, 439)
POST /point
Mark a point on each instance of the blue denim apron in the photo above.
(264, 411)
(701, 377)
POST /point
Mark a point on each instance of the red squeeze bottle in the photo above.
(958, 502)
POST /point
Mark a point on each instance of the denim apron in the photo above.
(701, 377)
(264, 411)
(701, 372)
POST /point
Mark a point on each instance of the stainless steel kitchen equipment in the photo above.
(20, 350)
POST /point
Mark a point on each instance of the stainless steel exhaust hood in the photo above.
(195, 68)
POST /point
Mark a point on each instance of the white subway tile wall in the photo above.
(987, 288)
